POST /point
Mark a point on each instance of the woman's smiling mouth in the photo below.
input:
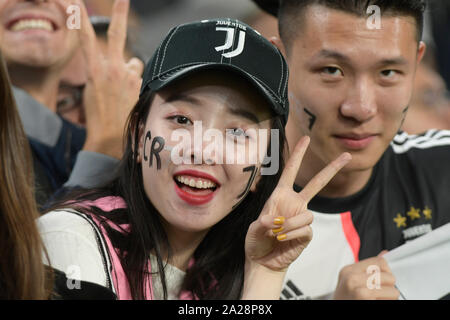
(195, 187)
(195, 182)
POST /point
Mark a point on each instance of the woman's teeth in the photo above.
(196, 183)
(32, 24)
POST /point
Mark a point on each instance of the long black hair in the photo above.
(218, 271)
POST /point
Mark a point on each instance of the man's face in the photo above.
(70, 95)
(73, 80)
(35, 33)
(350, 86)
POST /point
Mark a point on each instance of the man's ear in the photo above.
(276, 41)
(421, 51)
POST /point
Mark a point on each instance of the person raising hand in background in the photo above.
(37, 45)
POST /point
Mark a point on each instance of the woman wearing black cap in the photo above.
(185, 218)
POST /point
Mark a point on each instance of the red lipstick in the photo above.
(194, 196)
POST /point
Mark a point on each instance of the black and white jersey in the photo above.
(407, 196)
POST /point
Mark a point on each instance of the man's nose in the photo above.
(360, 103)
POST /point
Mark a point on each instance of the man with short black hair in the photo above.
(352, 67)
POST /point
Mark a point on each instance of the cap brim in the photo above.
(160, 83)
(269, 6)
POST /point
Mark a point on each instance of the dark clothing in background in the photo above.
(440, 19)
(59, 164)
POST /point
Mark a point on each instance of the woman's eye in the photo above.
(332, 71)
(238, 132)
(181, 119)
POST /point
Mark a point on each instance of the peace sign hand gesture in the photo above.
(283, 231)
(113, 84)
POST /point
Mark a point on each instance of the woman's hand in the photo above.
(283, 230)
(113, 84)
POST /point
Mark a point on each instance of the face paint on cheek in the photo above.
(312, 118)
(156, 150)
(148, 136)
(241, 197)
(157, 146)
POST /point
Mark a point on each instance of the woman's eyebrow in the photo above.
(177, 96)
(246, 114)
(182, 97)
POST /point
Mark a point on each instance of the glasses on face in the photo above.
(70, 99)
(70, 104)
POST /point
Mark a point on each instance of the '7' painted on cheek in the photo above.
(254, 170)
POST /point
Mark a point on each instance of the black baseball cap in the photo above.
(221, 44)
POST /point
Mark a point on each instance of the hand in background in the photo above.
(113, 84)
(354, 282)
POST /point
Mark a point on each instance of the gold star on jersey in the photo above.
(413, 214)
(427, 213)
(400, 220)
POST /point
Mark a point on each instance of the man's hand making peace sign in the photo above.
(113, 84)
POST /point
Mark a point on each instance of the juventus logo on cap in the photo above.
(229, 42)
